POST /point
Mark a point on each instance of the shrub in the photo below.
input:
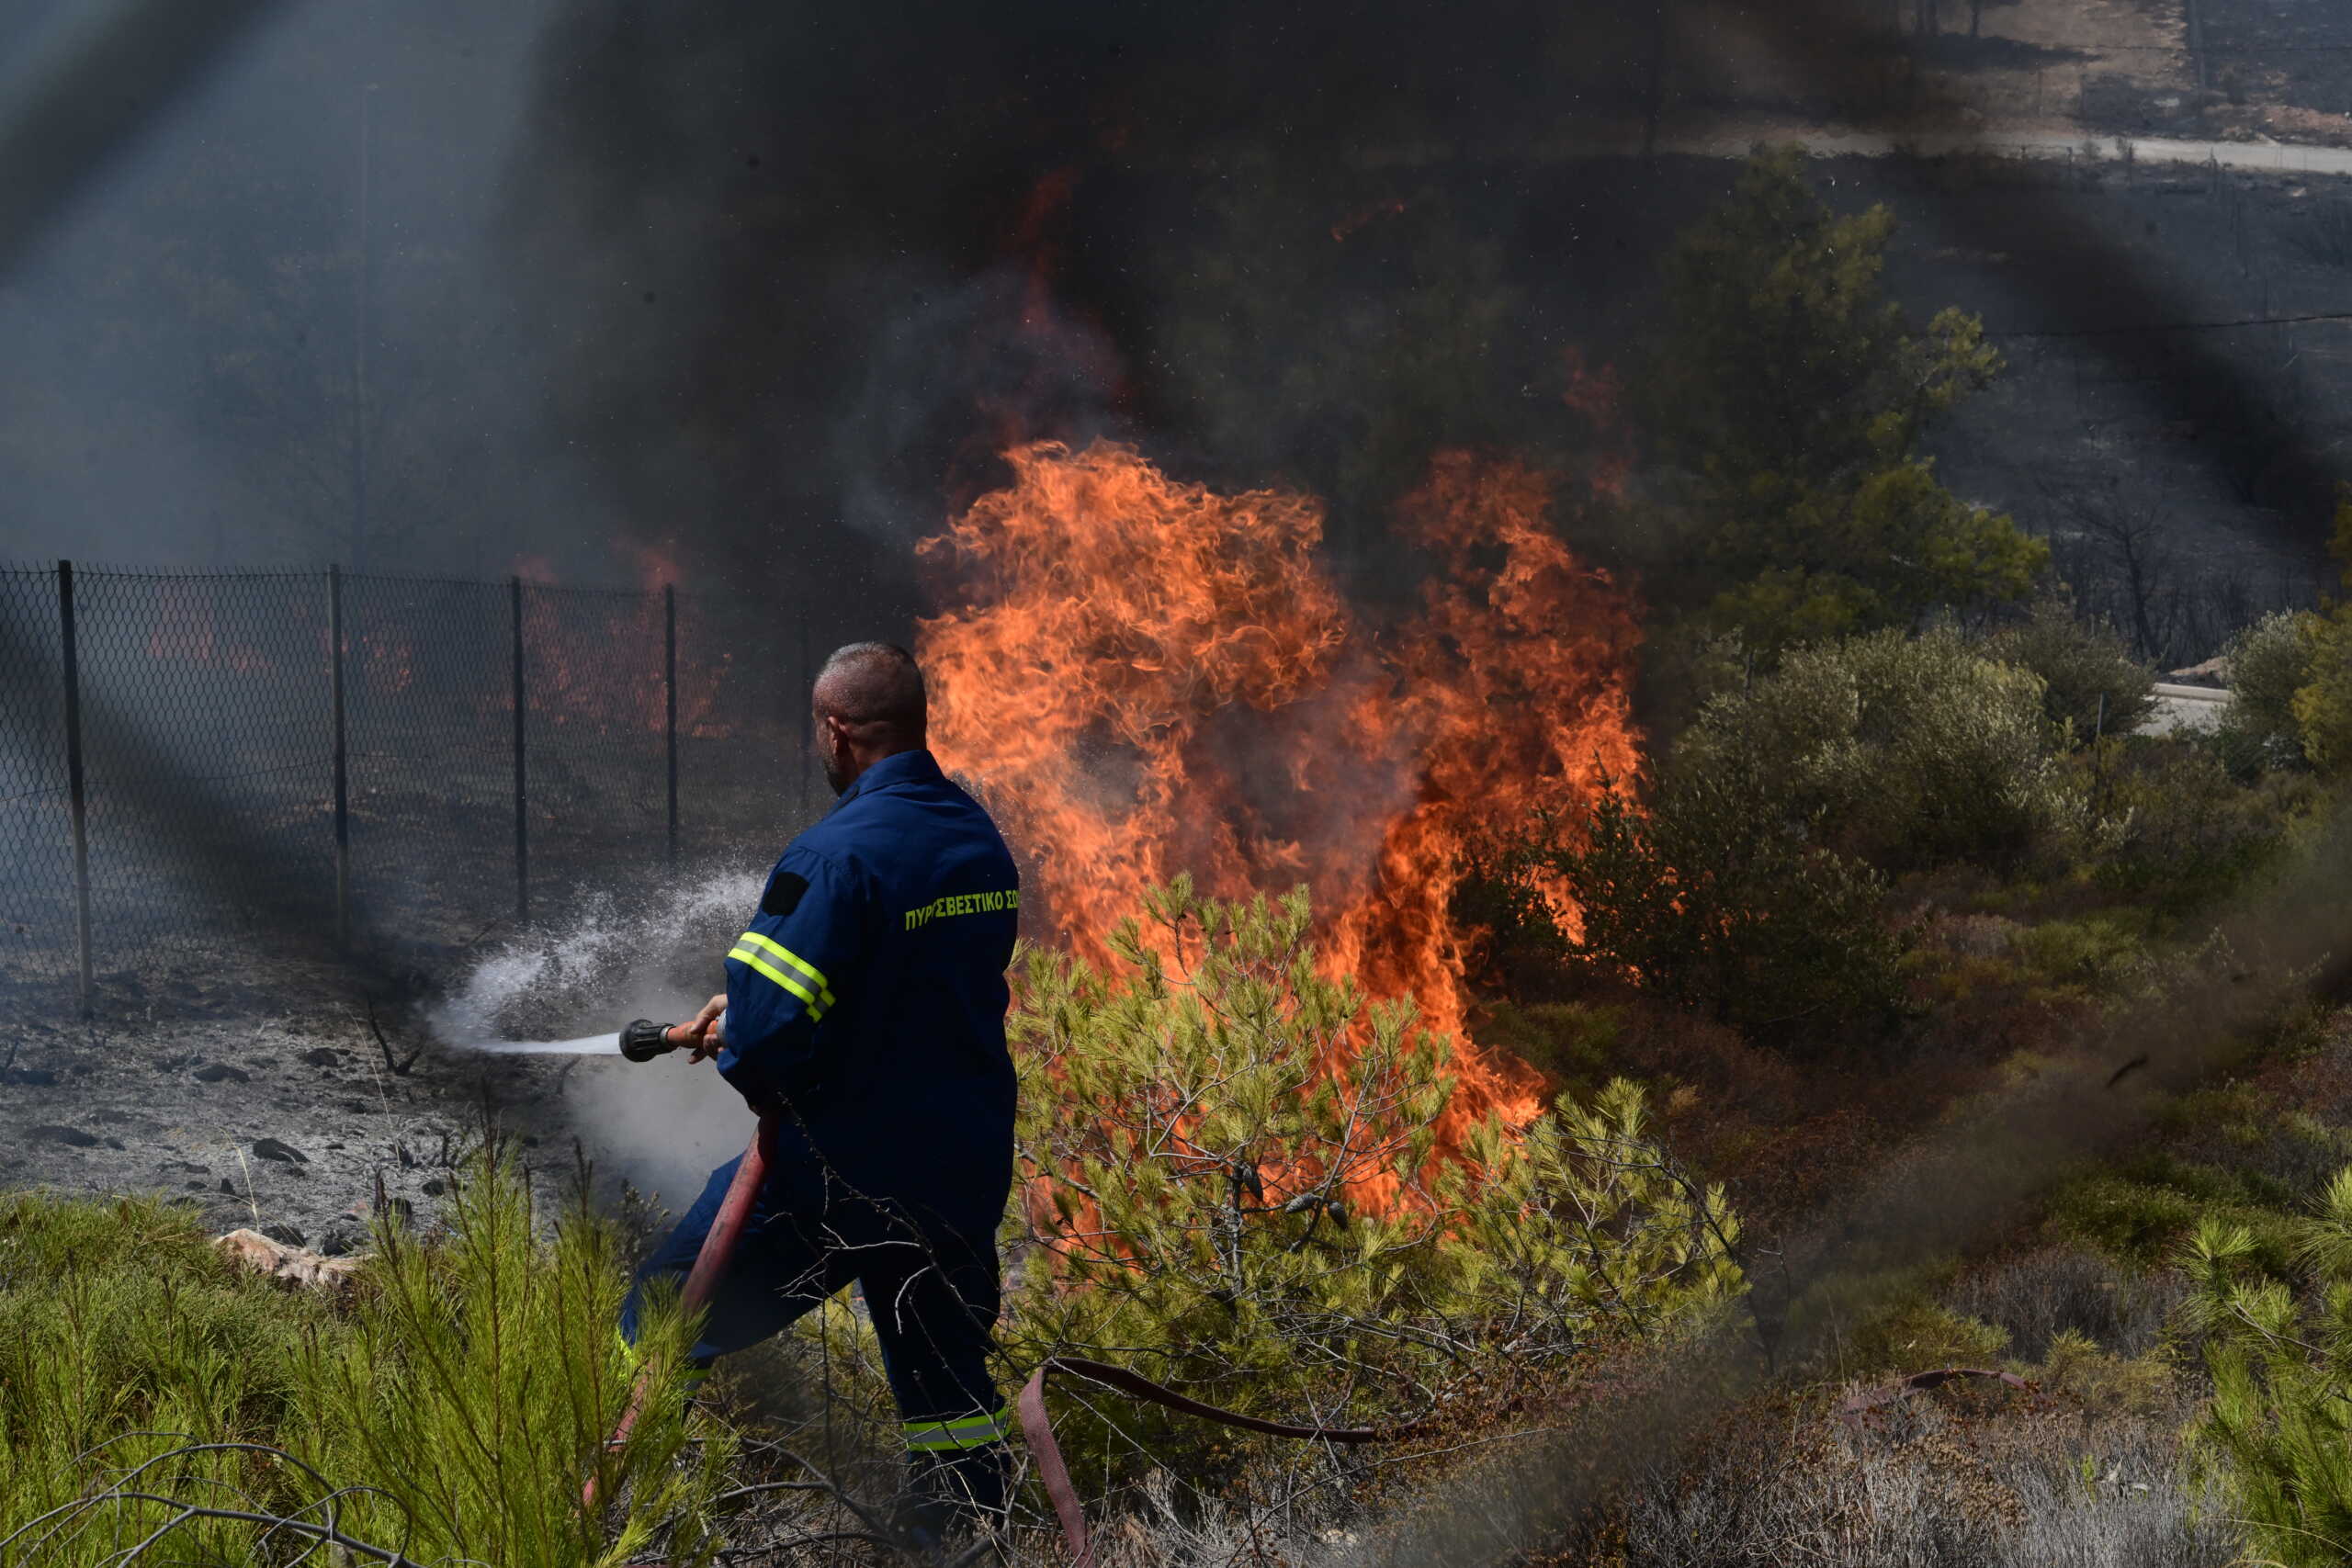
(2040, 1295)
(2267, 665)
(2280, 1427)
(2090, 683)
(2175, 831)
(2100, 955)
(2322, 706)
(1235, 1182)
(1908, 752)
(458, 1398)
(1697, 903)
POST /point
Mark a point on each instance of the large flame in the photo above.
(1147, 677)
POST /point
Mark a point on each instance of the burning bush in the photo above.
(1209, 1200)
(1143, 676)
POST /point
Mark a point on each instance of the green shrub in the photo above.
(1235, 1182)
(2278, 1428)
(2175, 831)
(1908, 752)
(2090, 683)
(2100, 955)
(1697, 903)
(459, 1397)
(2143, 1215)
(2323, 705)
(2269, 664)
(1921, 1335)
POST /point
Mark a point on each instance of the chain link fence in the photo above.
(194, 764)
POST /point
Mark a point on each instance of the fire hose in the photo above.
(643, 1040)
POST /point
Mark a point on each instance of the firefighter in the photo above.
(865, 1011)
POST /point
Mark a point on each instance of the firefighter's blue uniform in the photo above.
(867, 999)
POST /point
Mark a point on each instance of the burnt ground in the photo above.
(273, 1102)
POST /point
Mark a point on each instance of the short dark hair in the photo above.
(874, 687)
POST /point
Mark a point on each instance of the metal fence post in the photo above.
(670, 704)
(76, 800)
(342, 764)
(522, 794)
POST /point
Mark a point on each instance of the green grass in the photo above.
(447, 1407)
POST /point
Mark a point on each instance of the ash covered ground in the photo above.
(264, 1091)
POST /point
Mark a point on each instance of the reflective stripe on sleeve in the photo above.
(791, 961)
(752, 959)
(969, 1432)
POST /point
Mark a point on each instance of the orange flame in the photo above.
(1148, 676)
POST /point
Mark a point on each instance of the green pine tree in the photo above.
(1787, 400)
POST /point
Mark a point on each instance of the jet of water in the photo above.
(589, 1046)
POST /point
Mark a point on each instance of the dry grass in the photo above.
(2039, 1295)
(1953, 1484)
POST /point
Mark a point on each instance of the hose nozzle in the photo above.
(644, 1040)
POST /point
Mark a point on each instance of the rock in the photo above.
(226, 1188)
(221, 1072)
(342, 1238)
(290, 1234)
(74, 1135)
(323, 1057)
(270, 1148)
(193, 1186)
(29, 1078)
(265, 1256)
(433, 1188)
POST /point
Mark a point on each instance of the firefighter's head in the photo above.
(870, 706)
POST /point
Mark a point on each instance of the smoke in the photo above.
(824, 264)
(661, 1124)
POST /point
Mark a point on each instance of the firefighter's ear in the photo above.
(783, 893)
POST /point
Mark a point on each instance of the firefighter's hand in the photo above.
(707, 1034)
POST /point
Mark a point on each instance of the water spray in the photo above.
(640, 1040)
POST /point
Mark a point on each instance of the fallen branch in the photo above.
(397, 1068)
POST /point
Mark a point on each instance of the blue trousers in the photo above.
(933, 1293)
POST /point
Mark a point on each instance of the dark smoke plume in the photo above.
(817, 264)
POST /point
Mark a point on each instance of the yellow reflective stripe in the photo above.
(816, 975)
(744, 955)
(969, 1432)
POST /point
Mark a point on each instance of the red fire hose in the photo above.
(1054, 1474)
(717, 1251)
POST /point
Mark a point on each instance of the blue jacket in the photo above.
(869, 996)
